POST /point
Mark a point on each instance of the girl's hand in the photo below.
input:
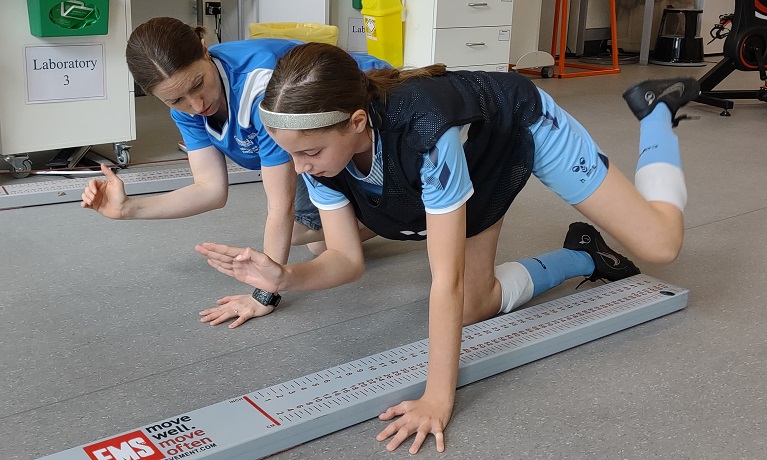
(106, 197)
(246, 265)
(422, 416)
(240, 307)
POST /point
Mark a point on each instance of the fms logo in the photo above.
(130, 446)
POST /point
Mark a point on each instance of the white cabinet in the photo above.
(31, 127)
(462, 34)
(292, 11)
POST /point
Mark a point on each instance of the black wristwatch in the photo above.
(266, 297)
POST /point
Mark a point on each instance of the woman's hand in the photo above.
(106, 197)
(422, 416)
(244, 264)
(241, 307)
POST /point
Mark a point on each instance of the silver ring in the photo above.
(235, 311)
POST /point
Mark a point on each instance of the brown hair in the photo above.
(318, 77)
(160, 47)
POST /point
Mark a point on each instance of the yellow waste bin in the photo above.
(383, 29)
(303, 31)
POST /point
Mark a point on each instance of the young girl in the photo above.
(426, 151)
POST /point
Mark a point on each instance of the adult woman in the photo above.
(213, 94)
(389, 151)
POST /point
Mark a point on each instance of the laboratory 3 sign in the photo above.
(64, 72)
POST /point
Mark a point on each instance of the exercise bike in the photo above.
(745, 48)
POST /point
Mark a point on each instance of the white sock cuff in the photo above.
(516, 285)
(662, 182)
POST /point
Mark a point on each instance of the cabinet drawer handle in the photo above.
(477, 4)
(475, 44)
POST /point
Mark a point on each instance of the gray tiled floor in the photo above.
(100, 331)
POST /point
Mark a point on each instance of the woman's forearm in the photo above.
(209, 191)
(280, 189)
(277, 234)
(187, 201)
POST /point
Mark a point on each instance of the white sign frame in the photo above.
(356, 39)
(82, 75)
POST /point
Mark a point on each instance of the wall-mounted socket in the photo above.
(212, 8)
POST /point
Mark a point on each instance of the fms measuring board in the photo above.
(136, 183)
(276, 418)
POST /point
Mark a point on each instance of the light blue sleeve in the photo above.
(367, 62)
(192, 128)
(445, 175)
(323, 197)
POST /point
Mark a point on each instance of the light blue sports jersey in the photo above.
(445, 180)
(245, 68)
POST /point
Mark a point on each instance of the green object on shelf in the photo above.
(62, 18)
(357, 4)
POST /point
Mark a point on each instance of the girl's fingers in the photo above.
(398, 439)
(440, 438)
(420, 437)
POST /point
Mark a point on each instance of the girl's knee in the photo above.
(665, 244)
(660, 247)
(304, 235)
(664, 253)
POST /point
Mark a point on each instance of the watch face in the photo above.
(266, 297)
(261, 296)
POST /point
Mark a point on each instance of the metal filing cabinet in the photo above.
(462, 34)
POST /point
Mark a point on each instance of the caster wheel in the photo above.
(122, 153)
(123, 157)
(547, 72)
(23, 171)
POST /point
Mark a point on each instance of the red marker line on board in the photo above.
(250, 401)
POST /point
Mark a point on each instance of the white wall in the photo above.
(143, 10)
(712, 9)
(347, 18)
(630, 15)
(341, 12)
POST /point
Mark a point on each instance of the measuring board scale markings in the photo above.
(554, 326)
(285, 415)
(136, 183)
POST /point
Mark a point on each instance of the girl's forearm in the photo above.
(329, 269)
(445, 321)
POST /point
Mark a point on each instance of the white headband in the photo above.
(299, 121)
